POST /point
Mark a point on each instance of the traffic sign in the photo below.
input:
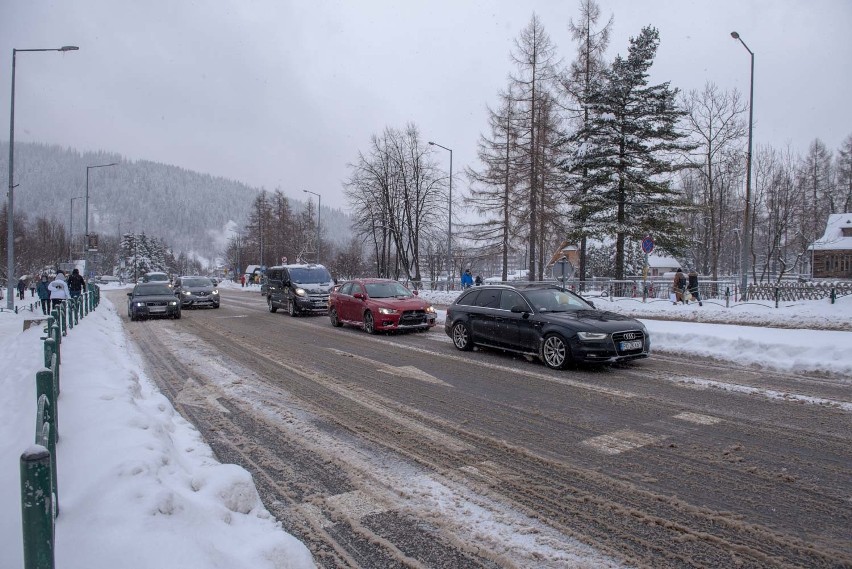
(648, 245)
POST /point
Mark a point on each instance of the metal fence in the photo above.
(39, 478)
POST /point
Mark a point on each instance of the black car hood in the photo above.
(154, 298)
(601, 320)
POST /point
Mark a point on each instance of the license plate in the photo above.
(157, 309)
(627, 346)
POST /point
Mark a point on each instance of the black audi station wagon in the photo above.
(559, 327)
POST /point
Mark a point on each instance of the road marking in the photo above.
(399, 371)
(237, 316)
(698, 419)
(621, 441)
(701, 383)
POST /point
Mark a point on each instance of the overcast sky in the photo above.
(285, 93)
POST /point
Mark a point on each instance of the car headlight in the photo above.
(387, 311)
(173, 303)
(140, 304)
(588, 336)
(215, 291)
(186, 292)
(431, 309)
(300, 292)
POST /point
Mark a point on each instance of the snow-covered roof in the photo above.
(662, 262)
(834, 238)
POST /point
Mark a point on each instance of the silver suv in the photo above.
(196, 291)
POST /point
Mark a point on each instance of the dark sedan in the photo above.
(379, 305)
(152, 299)
(557, 326)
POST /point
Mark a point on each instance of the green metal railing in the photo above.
(39, 479)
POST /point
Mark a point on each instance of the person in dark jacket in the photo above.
(679, 287)
(22, 286)
(76, 284)
(44, 294)
(692, 287)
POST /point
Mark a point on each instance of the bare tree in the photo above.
(715, 123)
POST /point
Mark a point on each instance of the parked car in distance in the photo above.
(299, 289)
(152, 299)
(559, 327)
(156, 277)
(196, 291)
(379, 305)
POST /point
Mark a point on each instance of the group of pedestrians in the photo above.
(468, 281)
(685, 288)
(51, 293)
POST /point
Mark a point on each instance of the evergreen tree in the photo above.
(628, 151)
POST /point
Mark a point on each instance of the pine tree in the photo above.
(629, 150)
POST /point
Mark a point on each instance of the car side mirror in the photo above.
(592, 304)
(359, 295)
(519, 309)
(129, 294)
(415, 292)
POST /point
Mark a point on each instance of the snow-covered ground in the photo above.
(139, 488)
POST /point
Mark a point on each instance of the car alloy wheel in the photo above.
(272, 307)
(335, 321)
(369, 323)
(555, 353)
(461, 336)
(291, 307)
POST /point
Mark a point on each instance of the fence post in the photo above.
(833, 295)
(46, 432)
(727, 297)
(777, 296)
(37, 508)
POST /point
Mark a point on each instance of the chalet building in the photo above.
(832, 254)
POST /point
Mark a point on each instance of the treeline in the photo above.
(595, 154)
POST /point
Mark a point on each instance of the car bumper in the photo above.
(199, 301)
(607, 351)
(317, 305)
(155, 312)
(393, 322)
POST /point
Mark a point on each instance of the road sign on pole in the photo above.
(648, 245)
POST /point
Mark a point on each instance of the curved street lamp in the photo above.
(10, 210)
(450, 220)
(319, 207)
(746, 244)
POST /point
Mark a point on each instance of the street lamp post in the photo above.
(86, 244)
(746, 241)
(10, 210)
(319, 207)
(71, 229)
(450, 220)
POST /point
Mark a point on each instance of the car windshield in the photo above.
(152, 290)
(387, 290)
(196, 282)
(312, 275)
(554, 300)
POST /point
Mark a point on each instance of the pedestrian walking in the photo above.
(678, 287)
(44, 294)
(478, 280)
(76, 284)
(32, 286)
(692, 287)
(22, 286)
(59, 292)
(466, 279)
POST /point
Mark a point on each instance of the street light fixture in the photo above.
(319, 207)
(86, 244)
(71, 229)
(450, 220)
(746, 241)
(10, 210)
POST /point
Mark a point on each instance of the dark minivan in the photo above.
(299, 289)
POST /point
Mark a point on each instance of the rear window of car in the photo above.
(468, 299)
(488, 299)
(157, 277)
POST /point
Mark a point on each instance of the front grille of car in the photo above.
(412, 317)
(201, 293)
(157, 303)
(628, 336)
(319, 300)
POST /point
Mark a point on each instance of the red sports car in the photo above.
(379, 305)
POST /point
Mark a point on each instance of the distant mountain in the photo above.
(189, 211)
